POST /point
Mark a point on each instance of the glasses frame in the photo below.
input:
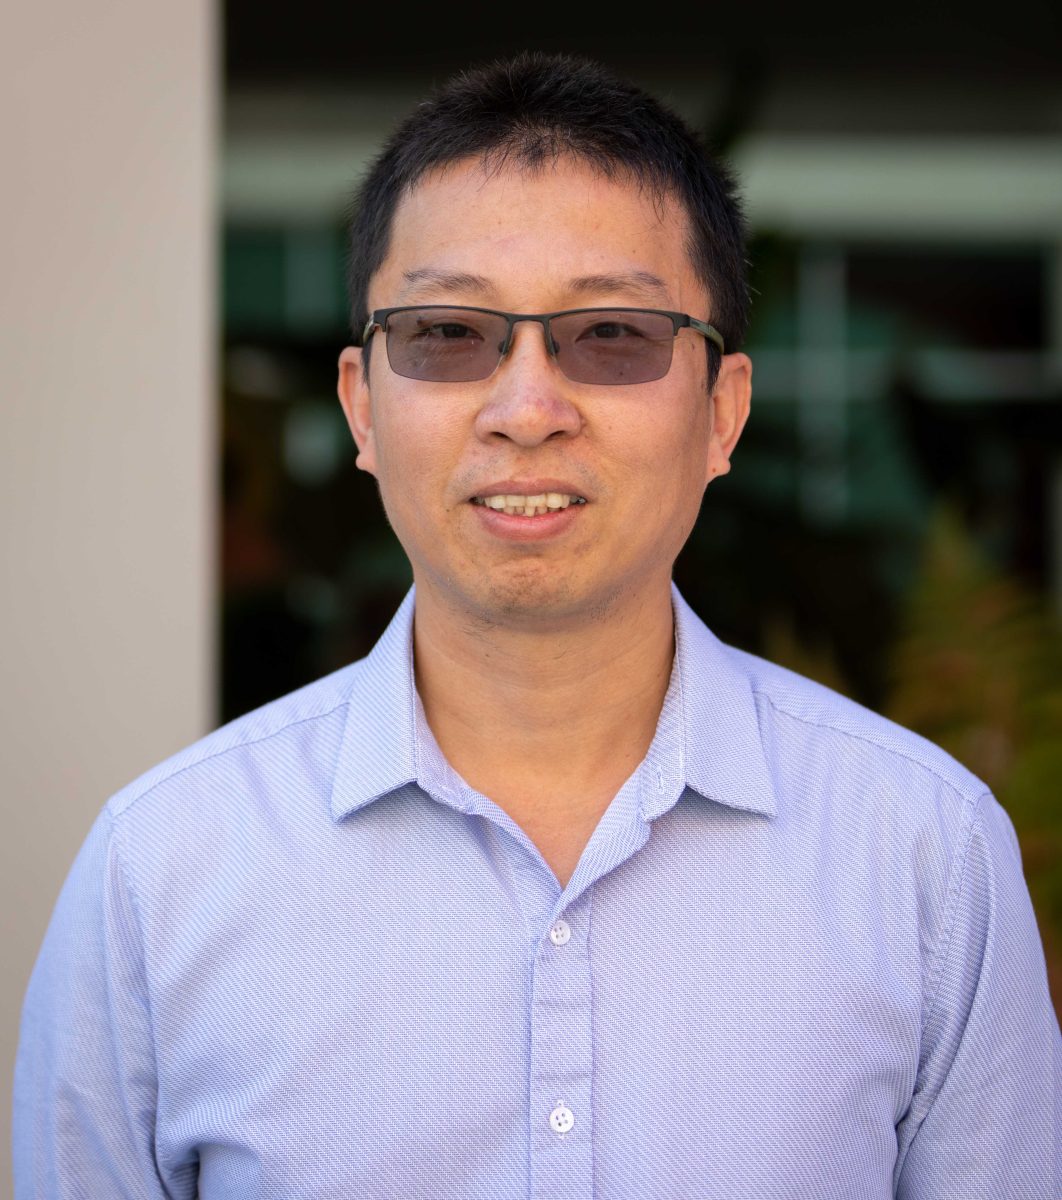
(379, 317)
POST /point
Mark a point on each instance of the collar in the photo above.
(378, 752)
(708, 737)
(723, 755)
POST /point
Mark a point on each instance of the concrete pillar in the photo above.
(108, 458)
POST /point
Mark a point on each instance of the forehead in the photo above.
(522, 232)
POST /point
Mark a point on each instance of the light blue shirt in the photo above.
(304, 959)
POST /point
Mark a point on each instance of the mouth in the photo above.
(514, 505)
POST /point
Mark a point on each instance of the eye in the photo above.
(610, 331)
(446, 331)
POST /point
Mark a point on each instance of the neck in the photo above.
(547, 722)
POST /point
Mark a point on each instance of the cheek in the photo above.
(673, 448)
(396, 453)
(685, 459)
(664, 473)
(418, 445)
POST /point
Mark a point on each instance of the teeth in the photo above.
(529, 506)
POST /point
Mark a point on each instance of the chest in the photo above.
(689, 1017)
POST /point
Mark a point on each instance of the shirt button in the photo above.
(561, 1119)
(559, 935)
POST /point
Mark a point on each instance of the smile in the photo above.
(528, 506)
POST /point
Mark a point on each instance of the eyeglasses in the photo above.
(453, 344)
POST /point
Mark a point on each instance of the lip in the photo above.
(545, 526)
(528, 487)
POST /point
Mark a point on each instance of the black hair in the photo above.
(530, 111)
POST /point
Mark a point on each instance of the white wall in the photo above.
(107, 448)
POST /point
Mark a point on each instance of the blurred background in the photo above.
(187, 536)
(893, 523)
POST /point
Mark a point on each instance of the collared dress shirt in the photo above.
(303, 958)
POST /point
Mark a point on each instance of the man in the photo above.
(553, 894)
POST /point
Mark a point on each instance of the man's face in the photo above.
(634, 458)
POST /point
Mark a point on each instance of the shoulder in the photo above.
(851, 779)
(808, 714)
(267, 737)
(279, 768)
(883, 819)
(818, 751)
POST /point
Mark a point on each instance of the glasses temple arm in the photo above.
(712, 334)
(366, 333)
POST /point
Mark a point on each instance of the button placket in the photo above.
(562, 1059)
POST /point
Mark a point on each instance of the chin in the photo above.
(537, 601)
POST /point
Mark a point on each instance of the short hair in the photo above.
(530, 111)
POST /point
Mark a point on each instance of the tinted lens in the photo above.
(444, 345)
(613, 346)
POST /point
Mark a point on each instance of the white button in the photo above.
(561, 1119)
(559, 935)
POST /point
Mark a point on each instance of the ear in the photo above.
(731, 399)
(353, 389)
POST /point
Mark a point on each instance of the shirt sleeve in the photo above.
(85, 1078)
(986, 1116)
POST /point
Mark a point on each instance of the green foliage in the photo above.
(977, 668)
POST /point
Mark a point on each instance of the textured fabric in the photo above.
(304, 959)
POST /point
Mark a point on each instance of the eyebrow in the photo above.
(640, 283)
(428, 281)
(424, 281)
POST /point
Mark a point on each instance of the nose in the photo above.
(529, 399)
